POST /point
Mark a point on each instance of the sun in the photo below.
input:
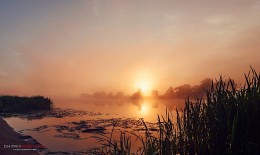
(144, 86)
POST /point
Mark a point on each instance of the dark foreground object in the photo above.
(21, 104)
(9, 137)
(226, 121)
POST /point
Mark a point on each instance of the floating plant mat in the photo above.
(77, 129)
(56, 113)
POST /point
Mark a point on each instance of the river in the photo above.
(74, 125)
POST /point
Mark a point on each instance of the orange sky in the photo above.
(65, 48)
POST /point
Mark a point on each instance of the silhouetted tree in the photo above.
(138, 94)
(169, 93)
(120, 94)
(155, 94)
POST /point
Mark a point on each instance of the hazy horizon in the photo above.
(65, 48)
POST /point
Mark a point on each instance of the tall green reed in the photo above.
(225, 121)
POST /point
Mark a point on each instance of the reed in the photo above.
(226, 121)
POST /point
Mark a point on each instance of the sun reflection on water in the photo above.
(144, 109)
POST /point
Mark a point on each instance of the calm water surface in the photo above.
(65, 134)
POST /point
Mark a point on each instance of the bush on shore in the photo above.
(21, 104)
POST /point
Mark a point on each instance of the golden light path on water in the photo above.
(144, 109)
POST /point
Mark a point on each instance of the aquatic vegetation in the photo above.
(226, 121)
(54, 113)
(84, 129)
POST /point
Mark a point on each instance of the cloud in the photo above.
(3, 75)
(218, 19)
(96, 10)
(170, 18)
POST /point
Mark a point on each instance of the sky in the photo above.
(65, 48)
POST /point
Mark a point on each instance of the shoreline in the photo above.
(10, 137)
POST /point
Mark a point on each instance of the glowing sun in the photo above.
(144, 86)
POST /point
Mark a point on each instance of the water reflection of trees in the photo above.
(171, 104)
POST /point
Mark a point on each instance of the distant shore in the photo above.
(9, 137)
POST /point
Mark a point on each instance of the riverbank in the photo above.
(9, 137)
